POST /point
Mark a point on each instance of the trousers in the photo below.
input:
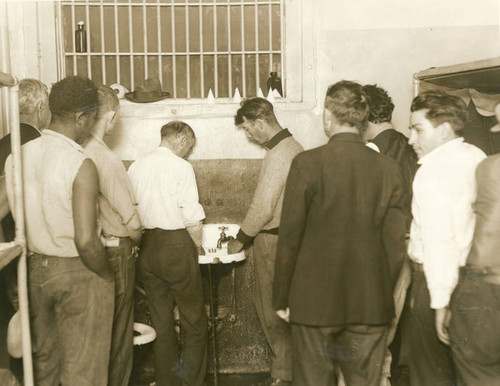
(357, 349)
(430, 359)
(474, 329)
(169, 270)
(122, 262)
(71, 310)
(276, 330)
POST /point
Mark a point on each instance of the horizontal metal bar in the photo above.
(197, 53)
(240, 3)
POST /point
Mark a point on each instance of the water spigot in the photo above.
(223, 237)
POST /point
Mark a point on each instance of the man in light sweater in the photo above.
(261, 224)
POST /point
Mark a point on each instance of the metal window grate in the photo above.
(192, 46)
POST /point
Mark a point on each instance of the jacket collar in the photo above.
(346, 137)
(277, 139)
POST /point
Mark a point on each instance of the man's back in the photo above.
(50, 165)
(343, 193)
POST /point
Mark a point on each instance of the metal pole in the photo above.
(22, 283)
(213, 320)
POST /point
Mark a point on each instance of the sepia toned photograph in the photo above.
(249, 193)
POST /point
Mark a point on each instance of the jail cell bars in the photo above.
(192, 46)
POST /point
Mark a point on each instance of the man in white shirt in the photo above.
(165, 188)
(444, 191)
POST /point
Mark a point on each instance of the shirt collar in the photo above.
(62, 137)
(277, 138)
(440, 151)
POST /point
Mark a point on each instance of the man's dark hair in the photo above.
(348, 104)
(71, 95)
(175, 129)
(255, 108)
(381, 106)
(442, 107)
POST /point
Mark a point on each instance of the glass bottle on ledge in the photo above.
(81, 38)
(274, 83)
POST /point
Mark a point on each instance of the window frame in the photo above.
(300, 76)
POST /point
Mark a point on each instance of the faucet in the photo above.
(223, 237)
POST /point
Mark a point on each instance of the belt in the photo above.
(416, 267)
(273, 231)
(112, 241)
(490, 275)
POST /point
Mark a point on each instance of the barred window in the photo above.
(192, 46)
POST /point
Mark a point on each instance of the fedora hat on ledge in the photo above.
(148, 91)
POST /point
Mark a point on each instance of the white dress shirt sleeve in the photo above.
(188, 199)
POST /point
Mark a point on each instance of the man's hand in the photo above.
(443, 316)
(284, 314)
(234, 246)
(201, 251)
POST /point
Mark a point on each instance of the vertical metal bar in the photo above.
(229, 56)
(61, 58)
(103, 57)
(270, 16)
(174, 64)
(213, 321)
(257, 75)
(131, 46)
(160, 57)
(145, 31)
(117, 45)
(22, 275)
(188, 81)
(282, 45)
(73, 23)
(243, 65)
(202, 72)
(216, 64)
(89, 64)
(38, 45)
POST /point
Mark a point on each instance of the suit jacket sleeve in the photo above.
(292, 226)
(394, 228)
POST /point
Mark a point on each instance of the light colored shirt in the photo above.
(116, 198)
(267, 202)
(444, 190)
(50, 165)
(486, 242)
(166, 192)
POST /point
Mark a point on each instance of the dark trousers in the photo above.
(276, 330)
(358, 349)
(71, 311)
(475, 329)
(122, 263)
(169, 270)
(430, 360)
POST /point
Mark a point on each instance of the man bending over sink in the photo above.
(256, 117)
(165, 188)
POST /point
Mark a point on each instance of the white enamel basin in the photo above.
(214, 255)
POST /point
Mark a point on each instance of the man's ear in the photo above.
(445, 130)
(80, 118)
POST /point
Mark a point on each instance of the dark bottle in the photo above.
(274, 83)
(81, 38)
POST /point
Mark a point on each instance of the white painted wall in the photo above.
(371, 41)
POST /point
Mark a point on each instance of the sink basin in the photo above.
(214, 255)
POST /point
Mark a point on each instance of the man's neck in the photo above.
(99, 130)
(30, 121)
(375, 129)
(64, 129)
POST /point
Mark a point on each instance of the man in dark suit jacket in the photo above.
(340, 249)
